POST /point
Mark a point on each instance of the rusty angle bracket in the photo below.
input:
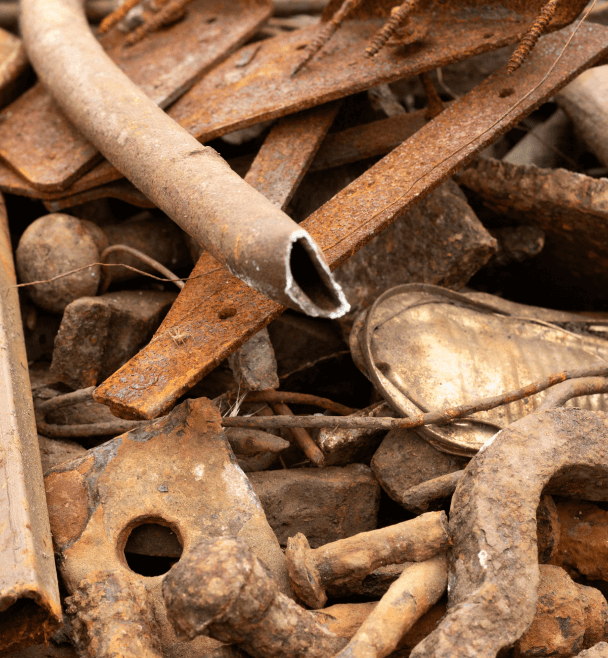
(255, 84)
(220, 312)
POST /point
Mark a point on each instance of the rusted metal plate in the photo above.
(220, 312)
(177, 472)
(30, 610)
(48, 151)
(367, 141)
(288, 151)
(350, 145)
(255, 84)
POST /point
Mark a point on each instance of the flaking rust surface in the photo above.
(179, 472)
(40, 144)
(494, 572)
(255, 84)
(571, 208)
(156, 377)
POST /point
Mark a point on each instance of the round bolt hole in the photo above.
(505, 93)
(152, 548)
(225, 313)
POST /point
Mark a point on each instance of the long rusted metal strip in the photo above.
(255, 84)
(288, 151)
(30, 609)
(48, 151)
(191, 183)
(220, 313)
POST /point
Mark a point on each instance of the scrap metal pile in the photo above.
(304, 328)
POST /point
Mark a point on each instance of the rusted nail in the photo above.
(326, 32)
(399, 18)
(311, 571)
(494, 571)
(301, 436)
(59, 243)
(531, 37)
(194, 186)
(418, 588)
(170, 12)
(221, 589)
(29, 593)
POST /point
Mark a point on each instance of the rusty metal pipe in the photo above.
(191, 183)
(30, 609)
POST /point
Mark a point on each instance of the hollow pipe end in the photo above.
(310, 286)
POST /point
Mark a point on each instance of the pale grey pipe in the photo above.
(191, 183)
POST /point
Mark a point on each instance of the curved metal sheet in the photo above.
(428, 348)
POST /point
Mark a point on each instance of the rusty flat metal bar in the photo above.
(49, 152)
(220, 313)
(255, 84)
(30, 609)
(191, 183)
(350, 145)
(288, 151)
(367, 141)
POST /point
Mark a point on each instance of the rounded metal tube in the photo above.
(191, 183)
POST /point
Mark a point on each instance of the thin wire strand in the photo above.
(159, 267)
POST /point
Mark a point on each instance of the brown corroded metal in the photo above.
(40, 144)
(288, 151)
(570, 207)
(416, 590)
(177, 472)
(223, 590)
(350, 145)
(156, 377)
(255, 84)
(351, 559)
(583, 609)
(191, 183)
(30, 610)
(494, 573)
